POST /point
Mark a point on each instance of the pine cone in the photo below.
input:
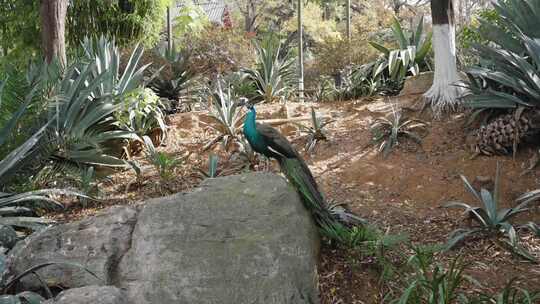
(501, 135)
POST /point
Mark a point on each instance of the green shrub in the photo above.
(79, 104)
(85, 99)
(471, 35)
(507, 77)
(141, 112)
(218, 51)
(130, 22)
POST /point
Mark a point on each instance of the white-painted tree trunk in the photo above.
(444, 95)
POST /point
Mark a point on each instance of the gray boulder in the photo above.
(90, 295)
(97, 243)
(238, 239)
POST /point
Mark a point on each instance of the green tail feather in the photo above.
(325, 216)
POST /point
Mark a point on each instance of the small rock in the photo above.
(90, 295)
(483, 182)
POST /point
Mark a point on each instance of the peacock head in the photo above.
(244, 102)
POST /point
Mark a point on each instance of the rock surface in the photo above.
(90, 295)
(238, 239)
(97, 243)
(418, 84)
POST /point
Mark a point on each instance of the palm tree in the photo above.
(444, 94)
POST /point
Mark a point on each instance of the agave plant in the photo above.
(409, 59)
(509, 74)
(274, 73)
(174, 77)
(368, 79)
(387, 131)
(213, 168)
(492, 220)
(84, 103)
(225, 113)
(532, 227)
(316, 131)
(19, 210)
(417, 42)
(165, 164)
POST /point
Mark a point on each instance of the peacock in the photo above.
(268, 141)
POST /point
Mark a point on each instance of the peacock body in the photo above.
(268, 141)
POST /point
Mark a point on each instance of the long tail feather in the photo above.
(300, 176)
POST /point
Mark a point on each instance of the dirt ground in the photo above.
(401, 194)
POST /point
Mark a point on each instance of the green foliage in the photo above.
(430, 282)
(423, 280)
(241, 86)
(18, 210)
(175, 74)
(130, 22)
(533, 227)
(225, 112)
(87, 183)
(315, 131)
(415, 42)
(471, 35)
(19, 31)
(191, 21)
(325, 90)
(508, 76)
(165, 164)
(386, 132)
(85, 99)
(492, 220)
(274, 74)
(20, 105)
(364, 81)
(75, 108)
(213, 167)
(529, 197)
(141, 113)
(509, 295)
(409, 59)
(316, 28)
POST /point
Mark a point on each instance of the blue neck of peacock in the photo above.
(249, 122)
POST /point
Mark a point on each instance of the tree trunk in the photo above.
(53, 28)
(444, 94)
(250, 17)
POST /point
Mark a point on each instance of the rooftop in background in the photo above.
(214, 9)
